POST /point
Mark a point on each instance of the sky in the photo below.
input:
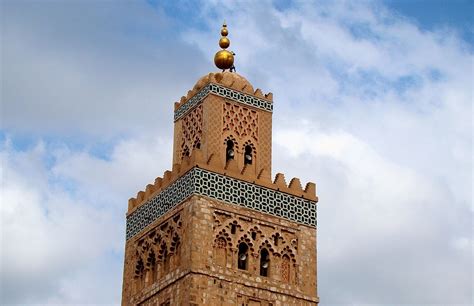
(372, 101)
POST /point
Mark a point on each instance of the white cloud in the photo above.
(55, 240)
(377, 112)
(382, 121)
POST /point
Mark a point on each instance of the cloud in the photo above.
(100, 68)
(378, 113)
(374, 110)
(63, 219)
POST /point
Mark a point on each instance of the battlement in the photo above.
(263, 178)
(241, 187)
(228, 85)
(227, 79)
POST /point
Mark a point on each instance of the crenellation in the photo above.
(280, 181)
(231, 169)
(229, 80)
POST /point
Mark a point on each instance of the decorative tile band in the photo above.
(223, 188)
(223, 92)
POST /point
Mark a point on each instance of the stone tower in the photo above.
(216, 230)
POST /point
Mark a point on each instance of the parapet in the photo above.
(228, 79)
(262, 178)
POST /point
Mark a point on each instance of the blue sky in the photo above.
(374, 97)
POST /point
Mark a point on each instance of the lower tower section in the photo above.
(209, 238)
(206, 252)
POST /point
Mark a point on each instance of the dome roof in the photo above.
(228, 79)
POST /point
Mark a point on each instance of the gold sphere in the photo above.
(224, 31)
(224, 59)
(224, 42)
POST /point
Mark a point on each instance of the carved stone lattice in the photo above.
(240, 120)
(192, 131)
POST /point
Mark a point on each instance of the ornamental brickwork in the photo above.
(216, 229)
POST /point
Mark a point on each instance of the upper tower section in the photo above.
(228, 120)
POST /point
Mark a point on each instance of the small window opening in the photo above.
(276, 240)
(232, 228)
(229, 150)
(254, 235)
(264, 262)
(248, 155)
(243, 256)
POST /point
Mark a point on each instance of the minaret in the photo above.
(216, 230)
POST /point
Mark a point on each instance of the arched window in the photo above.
(243, 256)
(285, 268)
(175, 252)
(151, 269)
(248, 155)
(229, 150)
(164, 259)
(264, 262)
(166, 262)
(139, 275)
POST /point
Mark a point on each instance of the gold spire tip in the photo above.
(224, 59)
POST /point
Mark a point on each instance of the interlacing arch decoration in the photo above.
(247, 240)
(164, 258)
(157, 252)
(288, 265)
(270, 251)
(255, 233)
(288, 251)
(240, 120)
(221, 245)
(192, 131)
(150, 268)
(234, 226)
(267, 245)
(139, 275)
(285, 268)
(223, 235)
(277, 239)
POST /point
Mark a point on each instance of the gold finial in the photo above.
(224, 59)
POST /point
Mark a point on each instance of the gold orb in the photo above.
(224, 42)
(224, 32)
(224, 59)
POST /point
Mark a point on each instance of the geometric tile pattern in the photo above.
(223, 188)
(223, 92)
